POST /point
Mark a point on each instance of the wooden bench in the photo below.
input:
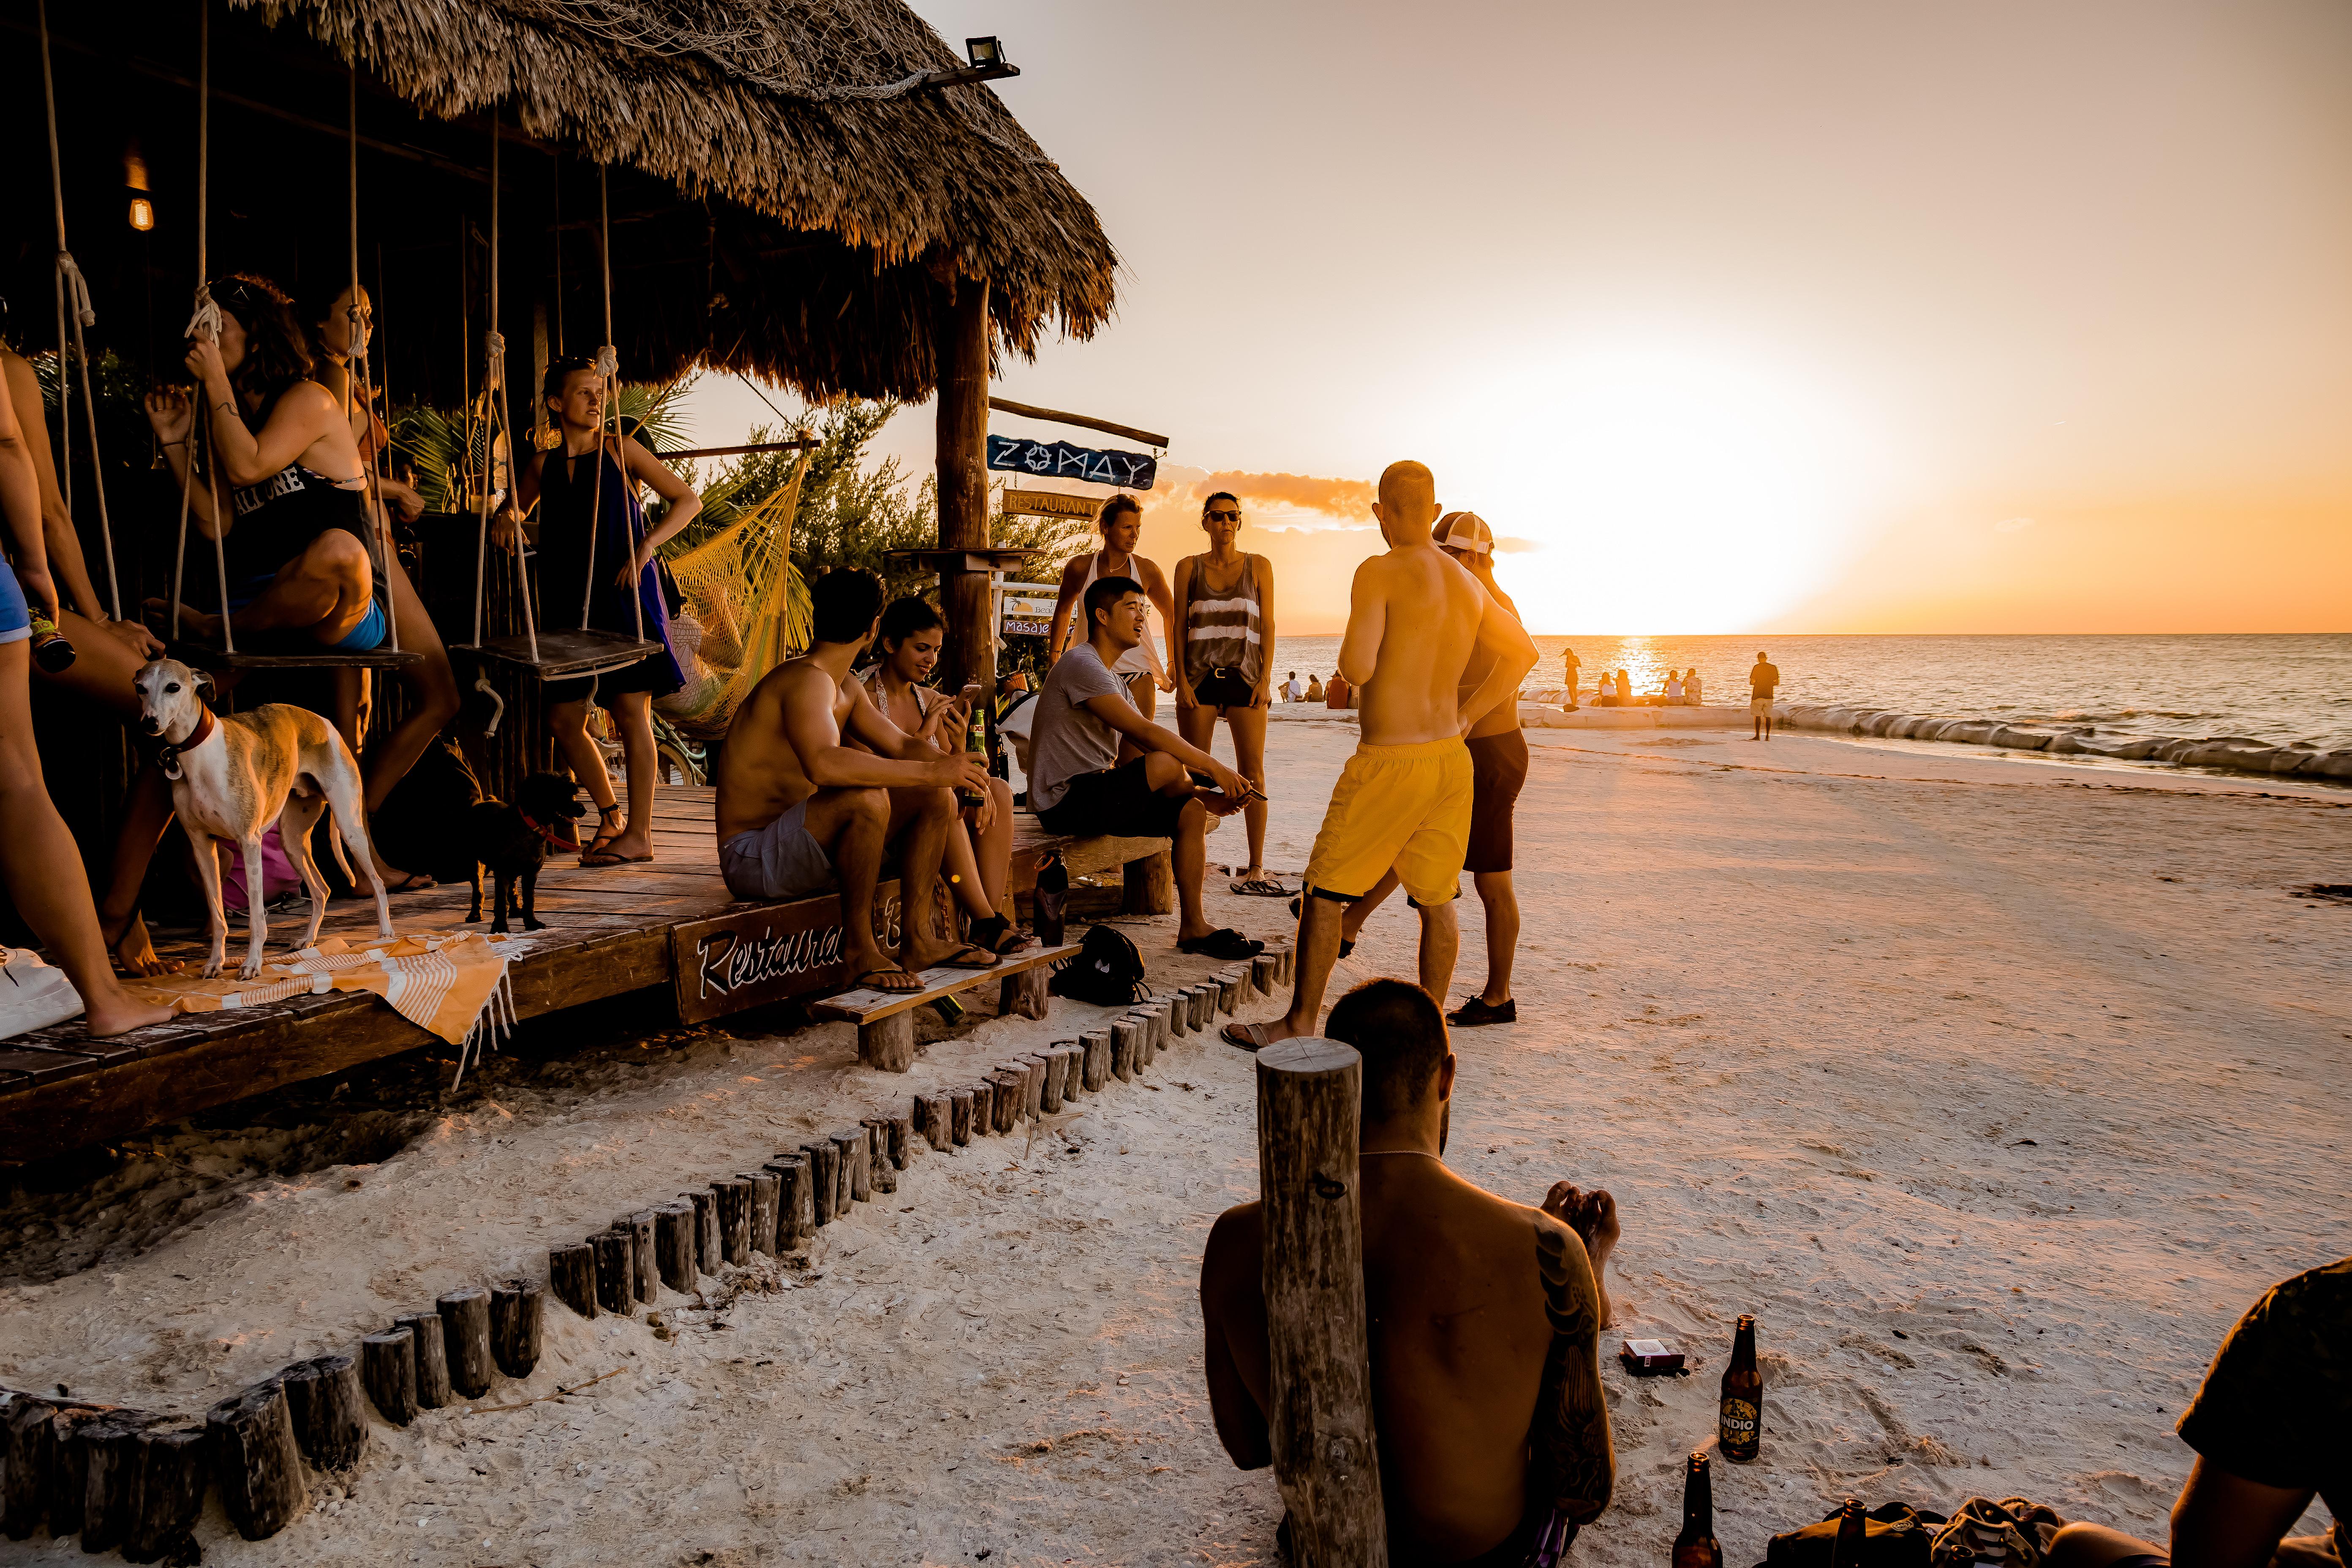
(1150, 873)
(886, 1019)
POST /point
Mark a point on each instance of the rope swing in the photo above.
(204, 324)
(356, 386)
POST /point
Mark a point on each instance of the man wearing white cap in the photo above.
(1498, 768)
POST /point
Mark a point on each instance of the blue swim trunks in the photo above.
(369, 633)
(15, 616)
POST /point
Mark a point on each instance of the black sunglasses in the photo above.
(1233, 516)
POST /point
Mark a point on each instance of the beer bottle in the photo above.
(1696, 1546)
(1739, 1422)
(1853, 1529)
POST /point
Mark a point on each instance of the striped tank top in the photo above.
(1227, 632)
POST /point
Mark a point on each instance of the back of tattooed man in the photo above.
(1486, 1319)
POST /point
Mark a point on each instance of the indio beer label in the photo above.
(1737, 1427)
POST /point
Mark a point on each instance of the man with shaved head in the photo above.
(1415, 617)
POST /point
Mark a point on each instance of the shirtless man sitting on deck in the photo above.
(1486, 1320)
(800, 812)
(1414, 619)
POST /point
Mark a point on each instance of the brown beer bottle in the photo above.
(1853, 1528)
(1696, 1546)
(1741, 1420)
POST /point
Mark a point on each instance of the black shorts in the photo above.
(1118, 803)
(1498, 768)
(1225, 687)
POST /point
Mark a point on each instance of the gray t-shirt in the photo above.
(1065, 740)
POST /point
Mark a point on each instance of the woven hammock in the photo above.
(747, 611)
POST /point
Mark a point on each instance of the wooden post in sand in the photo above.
(675, 1229)
(255, 1461)
(330, 1416)
(1261, 974)
(466, 1337)
(388, 1368)
(935, 1120)
(433, 1389)
(617, 1271)
(1147, 886)
(1125, 1037)
(1096, 1044)
(110, 1447)
(1025, 994)
(518, 1307)
(763, 1210)
(881, 1175)
(27, 1452)
(959, 1116)
(823, 1158)
(572, 1272)
(795, 1203)
(899, 1140)
(1319, 1362)
(705, 1228)
(640, 1226)
(174, 1469)
(732, 1198)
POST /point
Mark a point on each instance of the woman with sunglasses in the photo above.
(1224, 613)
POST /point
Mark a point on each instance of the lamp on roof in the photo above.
(988, 63)
(984, 51)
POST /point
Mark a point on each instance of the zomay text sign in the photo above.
(767, 952)
(1020, 455)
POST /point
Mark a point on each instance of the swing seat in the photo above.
(204, 656)
(565, 655)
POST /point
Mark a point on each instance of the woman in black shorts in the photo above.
(1224, 613)
(592, 538)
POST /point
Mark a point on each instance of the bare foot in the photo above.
(133, 954)
(1593, 1217)
(119, 1014)
(396, 881)
(867, 965)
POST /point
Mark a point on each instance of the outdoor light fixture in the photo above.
(142, 213)
(984, 52)
(988, 63)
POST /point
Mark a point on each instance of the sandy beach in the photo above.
(1995, 1091)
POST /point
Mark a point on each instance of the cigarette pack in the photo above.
(1650, 1358)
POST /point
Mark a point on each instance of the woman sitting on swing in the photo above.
(299, 570)
(592, 537)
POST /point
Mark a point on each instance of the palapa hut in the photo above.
(791, 195)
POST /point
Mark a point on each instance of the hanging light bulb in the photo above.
(142, 213)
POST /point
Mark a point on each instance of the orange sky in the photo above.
(1814, 316)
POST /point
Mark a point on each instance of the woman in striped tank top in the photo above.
(1224, 613)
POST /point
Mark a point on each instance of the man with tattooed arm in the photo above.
(1486, 1320)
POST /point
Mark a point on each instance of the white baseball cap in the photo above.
(1465, 530)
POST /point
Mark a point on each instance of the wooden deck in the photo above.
(609, 931)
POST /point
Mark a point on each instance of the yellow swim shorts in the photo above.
(1406, 806)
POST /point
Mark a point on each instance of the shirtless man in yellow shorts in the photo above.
(1414, 617)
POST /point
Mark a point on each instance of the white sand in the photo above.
(1801, 1008)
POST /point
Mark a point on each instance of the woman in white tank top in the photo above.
(1224, 663)
(1121, 524)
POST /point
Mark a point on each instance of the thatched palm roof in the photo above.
(866, 196)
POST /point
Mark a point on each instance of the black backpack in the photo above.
(1107, 971)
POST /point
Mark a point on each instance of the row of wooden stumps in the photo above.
(136, 1480)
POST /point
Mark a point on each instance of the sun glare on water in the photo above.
(1660, 491)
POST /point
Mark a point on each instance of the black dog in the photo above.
(513, 842)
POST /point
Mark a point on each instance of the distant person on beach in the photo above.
(1291, 691)
(1674, 689)
(2268, 1429)
(1691, 688)
(1120, 523)
(1416, 618)
(1079, 786)
(1761, 682)
(1224, 616)
(799, 811)
(1625, 689)
(1570, 670)
(1314, 687)
(1485, 1319)
(1498, 771)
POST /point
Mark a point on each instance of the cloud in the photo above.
(1274, 500)
(2013, 525)
(1507, 545)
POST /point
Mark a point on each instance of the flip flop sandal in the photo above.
(599, 853)
(1246, 1036)
(956, 960)
(1477, 1011)
(1261, 888)
(992, 933)
(1223, 943)
(415, 882)
(872, 981)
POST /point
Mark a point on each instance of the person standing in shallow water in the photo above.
(1570, 671)
(1224, 667)
(1763, 680)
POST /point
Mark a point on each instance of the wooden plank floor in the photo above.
(607, 932)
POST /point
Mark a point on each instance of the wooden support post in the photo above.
(856, 1184)
(1049, 1099)
(388, 1368)
(675, 1231)
(1028, 994)
(1320, 1371)
(1124, 1035)
(960, 351)
(731, 1197)
(1200, 1002)
(764, 1210)
(330, 1419)
(175, 1467)
(616, 1271)
(1097, 1047)
(1287, 965)
(880, 1172)
(640, 1226)
(1229, 991)
(888, 1045)
(1261, 974)
(255, 1461)
(517, 1308)
(705, 1228)
(27, 1455)
(959, 1116)
(1074, 1070)
(109, 1447)
(897, 1134)
(983, 1109)
(432, 1390)
(935, 1116)
(795, 1203)
(68, 1473)
(825, 1177)
(1033, 1085)
(1012, 1088)
(1147, 886)
(465, 1338)
(572, 1270)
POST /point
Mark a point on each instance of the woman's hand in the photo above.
(143, 644)
(506, 532)
(168, 414)
(984, 812)
(40, 591)
(945, 724)
(1185, 700)
(204, 363)
(635, 567)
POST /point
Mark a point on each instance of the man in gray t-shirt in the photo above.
(1077, 786)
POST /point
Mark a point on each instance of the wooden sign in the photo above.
(1051, 503)
(767, 952)
(1023, 454)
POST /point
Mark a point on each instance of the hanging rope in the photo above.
(356, 384)
(205, 324)
(608, 371)
(74, 306)
(497, 427)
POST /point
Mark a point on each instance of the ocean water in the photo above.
(2278, 690)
